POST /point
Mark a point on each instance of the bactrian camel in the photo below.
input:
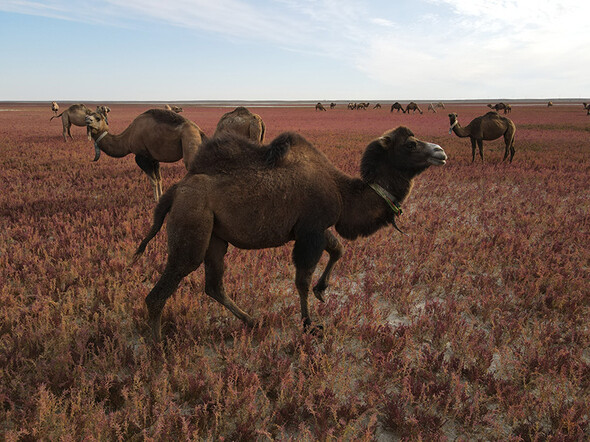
(76, 115)
(54, 108)
(490, 126)
(237, 193)
(242, 122)
(155, 136)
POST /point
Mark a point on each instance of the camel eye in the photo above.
(411, 145)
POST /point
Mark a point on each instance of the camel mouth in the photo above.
(438, 156)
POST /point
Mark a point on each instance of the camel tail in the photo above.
(162, 208)
(279, 147)
(56, 116)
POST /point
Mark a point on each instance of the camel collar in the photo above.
(102, 135)
(391, 202)
(453, 125)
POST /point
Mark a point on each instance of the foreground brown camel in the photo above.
(397, 106)
(413, 107)
(490, 126)
(76, 115)
(54, 108)
(237, 193)
(242, 122)
(155, 136)
(320, 107)
(173, 108)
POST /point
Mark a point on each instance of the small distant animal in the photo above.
(490, 126)
(104, 110)
(264, 198)
(332, 105)
(320, 107)
(431, 107)
(173, 108)
(54, 107)
(377, 106)
(549, 104)
(398, 107)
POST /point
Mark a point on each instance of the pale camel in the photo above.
(173, 108)
(413, 107)
(104, 110)
(320, 107)
(155, 136)
(486, 127)
(54, 107)
(431, 107)
(76, 115)
(242, 122)
(440, 105)
(237, 193)
(507, 108)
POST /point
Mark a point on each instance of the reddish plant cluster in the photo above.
(474, 326)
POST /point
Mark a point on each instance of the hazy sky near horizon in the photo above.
(177, 50)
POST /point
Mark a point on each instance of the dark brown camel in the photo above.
(413, 107)
(498, 107)
(237, 193)
(332, 105)
(242, 122)
(397, 106)
(320, 107)
(76, 115)
(490, 126)
(155, 136)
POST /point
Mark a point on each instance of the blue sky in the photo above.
(177, 50)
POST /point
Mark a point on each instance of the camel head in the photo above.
(97, 123)
(454, 120)
(399, 149)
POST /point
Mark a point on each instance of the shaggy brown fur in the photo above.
(155, 136)
(237, 193)
(242, 122)
(76, 115)
(413, 107)
(487, 127)
(397, 106)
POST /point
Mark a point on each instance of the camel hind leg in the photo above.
(188, 240)
(509, 141)
(480, 148)
(66, 125)
(152, 169)
(214, 269)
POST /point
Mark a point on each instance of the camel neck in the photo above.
(458, 129)
(110, 144)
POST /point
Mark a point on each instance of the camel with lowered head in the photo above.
(237, 193)
(320, 107)
(413, 107)
(242, 122)
(397, 106)
(54, 107)
(155, 136)
(490, 126)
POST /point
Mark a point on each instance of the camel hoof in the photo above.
(319, 293)
(314, 330)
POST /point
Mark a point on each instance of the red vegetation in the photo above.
(475, 325)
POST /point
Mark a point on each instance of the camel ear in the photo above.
(395, 137)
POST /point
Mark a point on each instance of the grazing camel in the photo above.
(76, 115)
(413, 107)
(397, 106)
(237, 193)
(242, 122)
(431, 107)
(320, 107)
(173, 108)
(54, 107)
(377, 106)
(440, 105)
(155, 136)
(487, 127)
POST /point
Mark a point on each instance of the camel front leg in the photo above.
(152, 169)
(472, 150)
(334, 249)
(480, 146)
(214, 269)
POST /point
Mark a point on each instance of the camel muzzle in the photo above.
(438, 156)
